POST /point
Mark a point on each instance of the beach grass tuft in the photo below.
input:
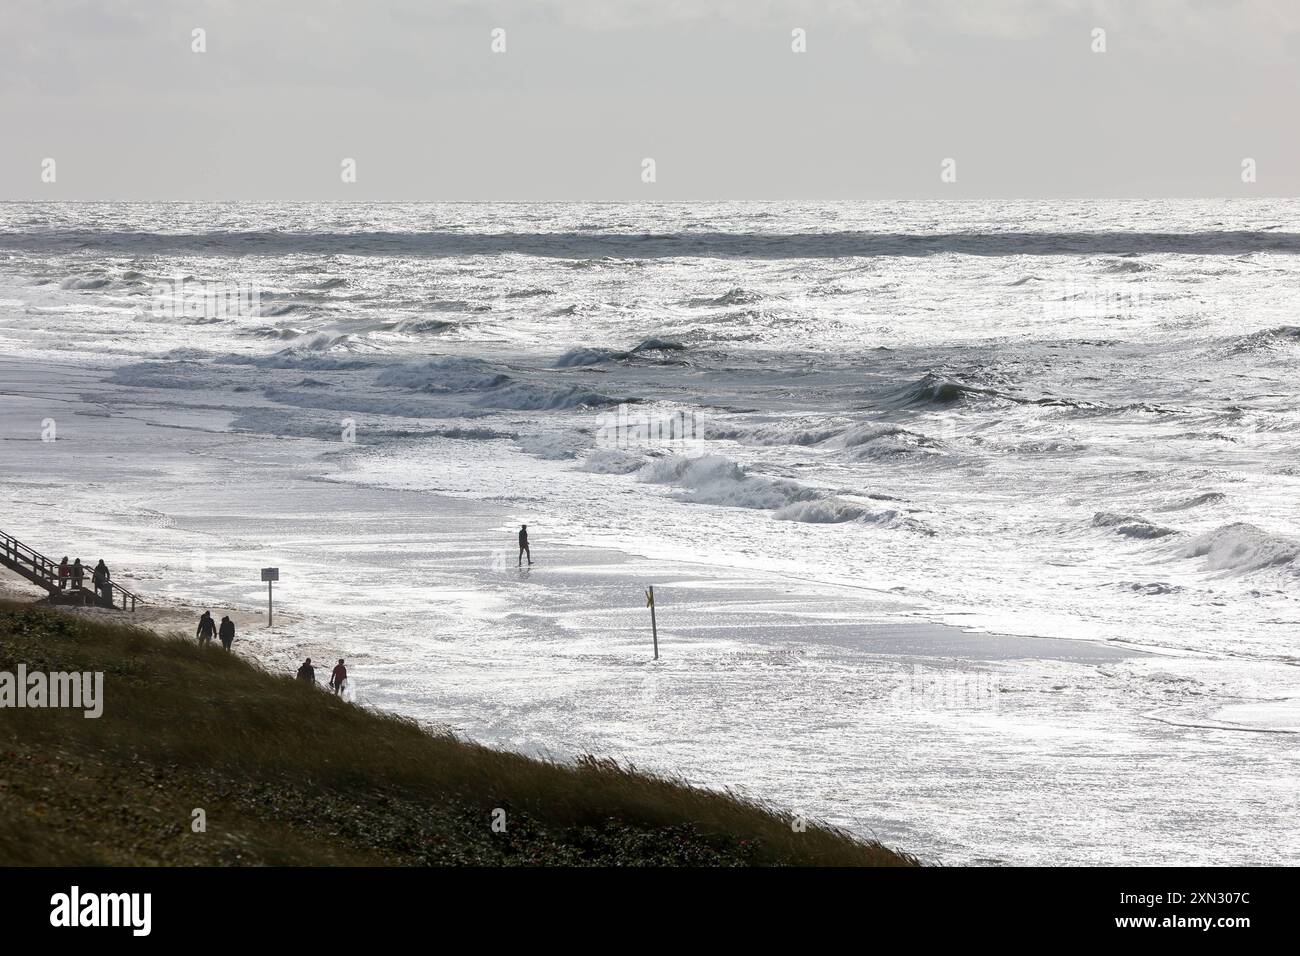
(286, 775)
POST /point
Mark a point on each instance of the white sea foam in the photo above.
(960, 404)
(1242, 547)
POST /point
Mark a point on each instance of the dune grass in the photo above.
(287, 775)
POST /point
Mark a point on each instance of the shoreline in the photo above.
(290, 776)
(843, 706)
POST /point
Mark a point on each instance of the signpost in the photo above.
(654, 628)
(269, 575)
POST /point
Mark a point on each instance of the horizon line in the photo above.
(675, 202)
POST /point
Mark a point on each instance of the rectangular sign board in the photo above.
(270, 574)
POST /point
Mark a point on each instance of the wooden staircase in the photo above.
(44, 572)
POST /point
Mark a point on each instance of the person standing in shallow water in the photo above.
(206, 629)
(226, 632)
(523, 545)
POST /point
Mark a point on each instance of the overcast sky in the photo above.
(587, 89)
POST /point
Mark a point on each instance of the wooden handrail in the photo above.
(15, 554)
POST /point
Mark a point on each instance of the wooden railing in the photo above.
(44, 571)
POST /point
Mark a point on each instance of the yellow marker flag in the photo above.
(649, 599)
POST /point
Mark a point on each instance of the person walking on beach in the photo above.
(338, 677)
(78, 574)
(307, 673)
(226, 632)
(523, 545)
(64, 571)
(101, 578)
(206, 629)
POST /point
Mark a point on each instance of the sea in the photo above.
(972, 524)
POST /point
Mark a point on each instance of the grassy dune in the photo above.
(290, 776)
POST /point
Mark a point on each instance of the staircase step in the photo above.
(40, 570)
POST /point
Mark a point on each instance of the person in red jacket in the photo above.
(338, 677)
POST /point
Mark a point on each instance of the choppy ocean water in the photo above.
(1061, 419)
(1070, 420)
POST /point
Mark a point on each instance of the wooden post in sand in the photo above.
(654, 628)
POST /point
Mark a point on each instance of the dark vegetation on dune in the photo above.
(288, 775)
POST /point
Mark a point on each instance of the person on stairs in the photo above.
(103, 588)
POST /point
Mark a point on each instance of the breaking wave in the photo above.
(1243, 547)
(823, 511)
(423, 326)
(1130, 526)
(579, 357)
(527, 396)
(1208, 498)
(612, 461)
(861, 441)
(444, 374)
(718, 480)
(1265, 340)
(270, 332)
(730, 297)
(935, 390)
(793, 432)
(883, 441)
(1127, 267)
(277, 311)
(306, 357)
(456, 375)
(86, 282)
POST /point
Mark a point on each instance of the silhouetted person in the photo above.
(307, 673)
(226, 632)
(338, 677)
(101, 579)
(64, 572)
(206, 629)
(523, 545)
(78, 574)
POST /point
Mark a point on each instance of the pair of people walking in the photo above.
(208, 629)
(339, 676)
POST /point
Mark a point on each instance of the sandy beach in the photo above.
(840, 702)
